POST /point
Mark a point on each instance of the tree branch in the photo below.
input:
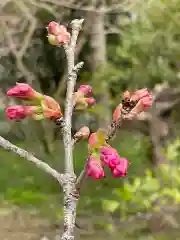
(29, 157)
(70, 193)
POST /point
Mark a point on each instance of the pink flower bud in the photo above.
(141, 100)
(94, 168)
(86, 90)
(107, 150)
(53, 28)
(90, 101)
(19, 112)
(57, 34)
(110, 157)
(63, 38)
(139, 94)
(83, 133)
(114, 160)
(121, 169)
(144, 104)
(24, 91)
(51, 109)
(117, 113)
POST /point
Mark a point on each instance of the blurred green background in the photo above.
(124, 45)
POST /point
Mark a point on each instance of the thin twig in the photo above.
(29, 157)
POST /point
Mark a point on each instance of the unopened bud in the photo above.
(117, 113)
(90, 101)
(51, 109)
(25, 92)
(57, 34)
(19, 112)
(86, 90)
(83, 133)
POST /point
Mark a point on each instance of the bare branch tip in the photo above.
(77, 23)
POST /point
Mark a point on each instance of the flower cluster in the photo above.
(82, 98)
(102, 155)
(57, 34)
(107, 156)
(133, 104)
(41, 106)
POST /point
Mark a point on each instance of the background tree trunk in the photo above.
(98, 46)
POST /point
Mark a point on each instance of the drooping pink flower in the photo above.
(24, 91)
(110, 157)
(86, 90)
(19, 112)
(57, 34)
(121, 169)
(94, 168)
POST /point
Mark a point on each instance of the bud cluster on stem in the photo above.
(101, 154)
(41, 106)
(57, 34)
(82, 98)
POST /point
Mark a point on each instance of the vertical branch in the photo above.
(70, 193)
(71, 81)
